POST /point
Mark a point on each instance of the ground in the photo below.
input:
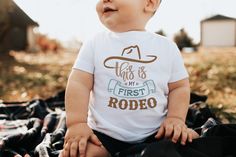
(26, 76)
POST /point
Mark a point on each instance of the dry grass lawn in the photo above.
(213, 73)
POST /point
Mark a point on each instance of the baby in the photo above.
(128, 86)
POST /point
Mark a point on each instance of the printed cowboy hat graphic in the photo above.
(131, 54)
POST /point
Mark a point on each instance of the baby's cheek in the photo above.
(99, 7)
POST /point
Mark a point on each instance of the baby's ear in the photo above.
(151, 5)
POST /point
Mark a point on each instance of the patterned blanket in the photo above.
(37, 128)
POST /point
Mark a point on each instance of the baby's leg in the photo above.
(96, 151)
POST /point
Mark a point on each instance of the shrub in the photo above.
(183, 40)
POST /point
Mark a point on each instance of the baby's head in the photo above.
(126, 15)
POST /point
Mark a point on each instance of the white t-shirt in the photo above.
(131, 75)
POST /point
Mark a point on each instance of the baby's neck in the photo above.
(130, 30)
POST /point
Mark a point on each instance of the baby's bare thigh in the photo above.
(96, 151)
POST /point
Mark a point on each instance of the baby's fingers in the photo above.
(82, 147)
(94, 139)
(184, 136)
(160, 132)
(66, 150)
(169, 131)
(74, 149)
(192, 135)
(177, 133)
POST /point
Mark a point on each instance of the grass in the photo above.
(26, 76)
(213, 73)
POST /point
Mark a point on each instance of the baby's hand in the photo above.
(76, 138)
(175, 128)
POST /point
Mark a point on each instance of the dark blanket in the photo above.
(37, 128)
(219, 141)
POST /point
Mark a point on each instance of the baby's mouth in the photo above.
(107, 9)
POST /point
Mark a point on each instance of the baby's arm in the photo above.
(77, 94)
(174, 125)
(178, 99)
(78, 132)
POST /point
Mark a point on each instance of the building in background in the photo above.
(19, 34)
(218, 31)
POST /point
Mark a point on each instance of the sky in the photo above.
(77, 19)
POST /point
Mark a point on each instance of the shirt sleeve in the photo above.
(178, 70)
(85, 58)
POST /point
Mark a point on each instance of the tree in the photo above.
(183, 40)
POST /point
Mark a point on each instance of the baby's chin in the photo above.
(115, 26)
(120, 29)
(115, 29)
